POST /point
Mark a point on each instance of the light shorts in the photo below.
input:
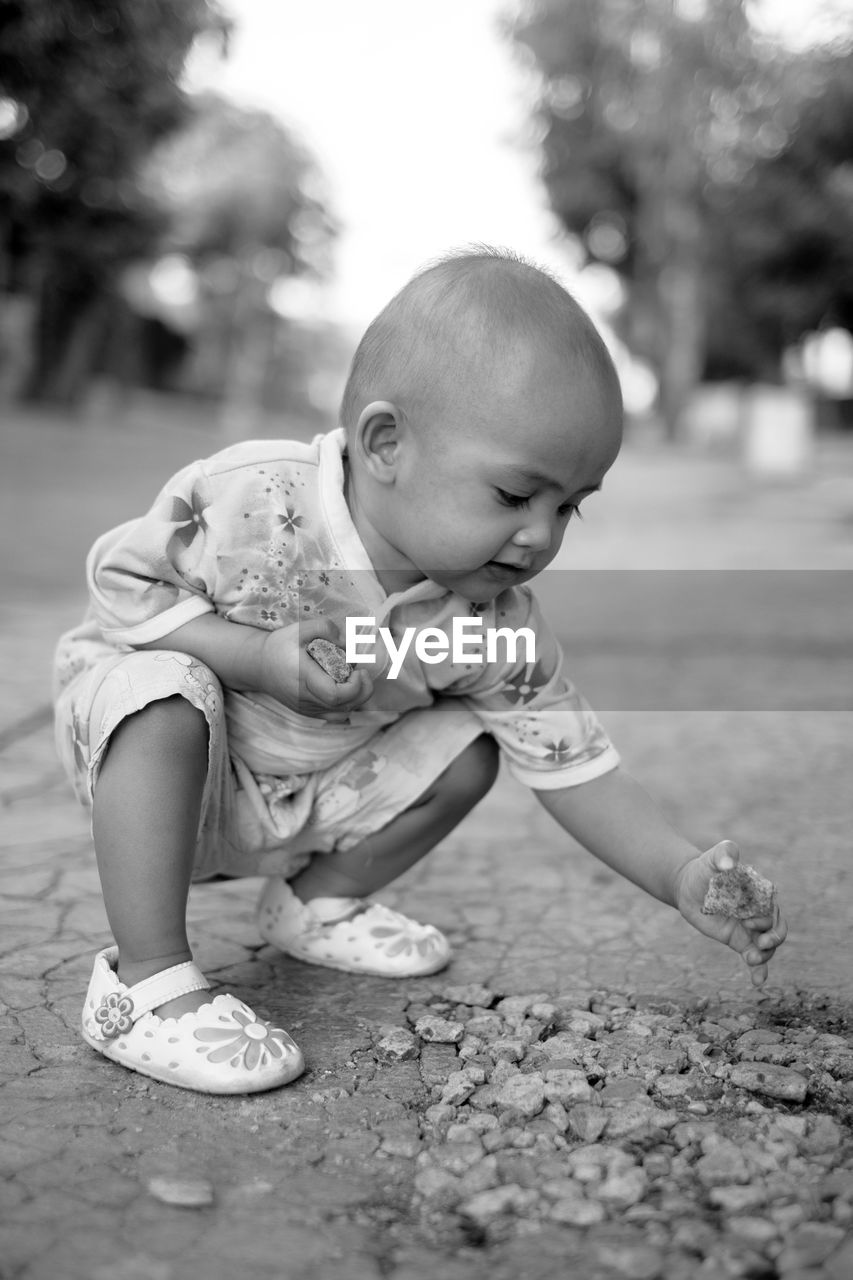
(254, 823)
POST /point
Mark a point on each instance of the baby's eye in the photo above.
(571, 509)
(512, 499)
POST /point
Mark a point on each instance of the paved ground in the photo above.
(730, 699)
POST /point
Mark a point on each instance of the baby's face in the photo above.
(484, 493)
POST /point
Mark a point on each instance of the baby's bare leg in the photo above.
(381, 858)
(145, 821)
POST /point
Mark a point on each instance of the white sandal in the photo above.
(369, 938)
(221, 1048)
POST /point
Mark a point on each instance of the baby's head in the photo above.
(481, 408)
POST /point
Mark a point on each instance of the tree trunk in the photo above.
(248, 360)
(67, 338)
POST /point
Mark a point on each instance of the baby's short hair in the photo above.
(475, 296)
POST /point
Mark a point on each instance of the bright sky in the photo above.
(417, 115)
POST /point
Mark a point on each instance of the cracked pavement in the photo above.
(317, 1180)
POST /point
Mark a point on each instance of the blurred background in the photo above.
(202, 205)
(212, 199)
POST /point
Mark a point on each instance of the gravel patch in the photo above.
(670, 1141)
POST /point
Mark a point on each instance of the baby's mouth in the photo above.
(504, 569)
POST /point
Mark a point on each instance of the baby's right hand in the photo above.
(289, 673)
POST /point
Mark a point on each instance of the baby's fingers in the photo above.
(768, 932)
(761, 950)
(757, 968)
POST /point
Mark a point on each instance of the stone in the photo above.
(458, 1088)
(837, 1185)
(755, 1231)
(582, 1023)
(331, 658)
(635, 1118)
(485, 1026)
(739, 893)
(839, 1265)
(459, 1132)
(507, 1049)
(657, 1164)
(401, 1141)
(842, 1213)
(437, 1030)
(440, 1114)
(496, 1140)
(623, 1088)
(824, 1135)
(773, 1081)
(786, 1216)
(397, 1045)
(587, 1121)
(797, 1126)
(482, 1176)
(503, 1070)
(673, 1086)
(486, 1206)
(723, 1167)
(557, 1115)
(485, 1096)
(523, 1093)
(657, 1060)
(577, 1212)
(588, 1163)
(622, 1188)
(738, 1199)
(689, 1133)
(567, 1085)
(438, 1185)
(186, 1193)
(473, 994)
(752, 1039)
(828, 1040)
(809, 1245)
(562, 1045)
(481, 1121)
(636, 1260)
(455, 1157)
(515, 1008)
(543, 1011)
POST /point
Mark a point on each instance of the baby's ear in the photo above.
(377, 439)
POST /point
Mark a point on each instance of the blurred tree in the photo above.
(86, 88)
(245, 206)
(661, 123)
(782, 237)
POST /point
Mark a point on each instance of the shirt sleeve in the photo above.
(549, 735)
(152, 575)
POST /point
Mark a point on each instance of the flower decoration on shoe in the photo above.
(250, 1044)
(113, 1015)
(406, 943)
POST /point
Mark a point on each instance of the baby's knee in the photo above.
(169, 725)
(473, 772)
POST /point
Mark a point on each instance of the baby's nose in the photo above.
(536, 535)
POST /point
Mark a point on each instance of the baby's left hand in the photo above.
(755, 939)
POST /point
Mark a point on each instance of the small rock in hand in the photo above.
(739, 893)
(331, 658)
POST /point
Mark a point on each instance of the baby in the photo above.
(481, 409)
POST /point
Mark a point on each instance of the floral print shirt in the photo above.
(261, 534)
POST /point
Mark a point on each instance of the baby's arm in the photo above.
(617, 822)
(248, 659)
